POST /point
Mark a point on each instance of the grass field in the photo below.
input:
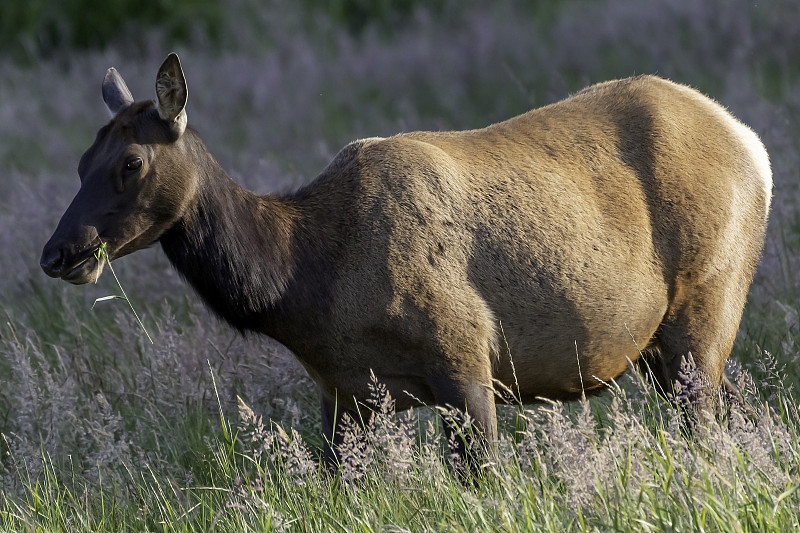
(204, 430)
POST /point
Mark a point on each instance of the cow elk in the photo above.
(542, 254)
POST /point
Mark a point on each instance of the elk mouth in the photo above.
(86, 270)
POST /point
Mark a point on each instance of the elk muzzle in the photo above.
(74, 260)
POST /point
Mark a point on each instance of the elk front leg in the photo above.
(470, 420)
(333, 431)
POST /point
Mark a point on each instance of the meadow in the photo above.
(206, 430)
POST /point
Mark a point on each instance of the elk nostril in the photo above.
(52, 261)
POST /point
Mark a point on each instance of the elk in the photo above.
(544, 253)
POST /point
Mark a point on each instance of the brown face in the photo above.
(133, 187)
(121, 200)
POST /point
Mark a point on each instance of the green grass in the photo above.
(102, 255)
(734, 479)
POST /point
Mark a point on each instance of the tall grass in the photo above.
(620, 467)
(102, 431)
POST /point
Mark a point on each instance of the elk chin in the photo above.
(87, 271)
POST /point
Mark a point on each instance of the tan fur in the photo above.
(630, 215)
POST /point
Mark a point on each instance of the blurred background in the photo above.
(275, 89)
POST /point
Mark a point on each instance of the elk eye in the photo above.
(134, 164)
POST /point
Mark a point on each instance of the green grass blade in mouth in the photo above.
(102, 254)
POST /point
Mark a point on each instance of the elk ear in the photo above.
(115, 93)
(172, 94)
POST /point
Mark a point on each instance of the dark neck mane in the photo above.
(236, 249)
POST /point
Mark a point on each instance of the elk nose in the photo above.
(52, 261)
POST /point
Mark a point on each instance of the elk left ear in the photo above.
(115, 93)
(172, 94)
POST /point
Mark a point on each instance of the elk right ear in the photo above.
(172, 94)
(115, 93)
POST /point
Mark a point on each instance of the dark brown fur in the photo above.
(627, 219)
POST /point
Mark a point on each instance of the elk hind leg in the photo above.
(693, 345)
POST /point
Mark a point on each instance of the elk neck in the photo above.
(241, 252)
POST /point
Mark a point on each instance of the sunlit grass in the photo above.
(568, 472)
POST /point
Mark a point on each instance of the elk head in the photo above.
(135, 179)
